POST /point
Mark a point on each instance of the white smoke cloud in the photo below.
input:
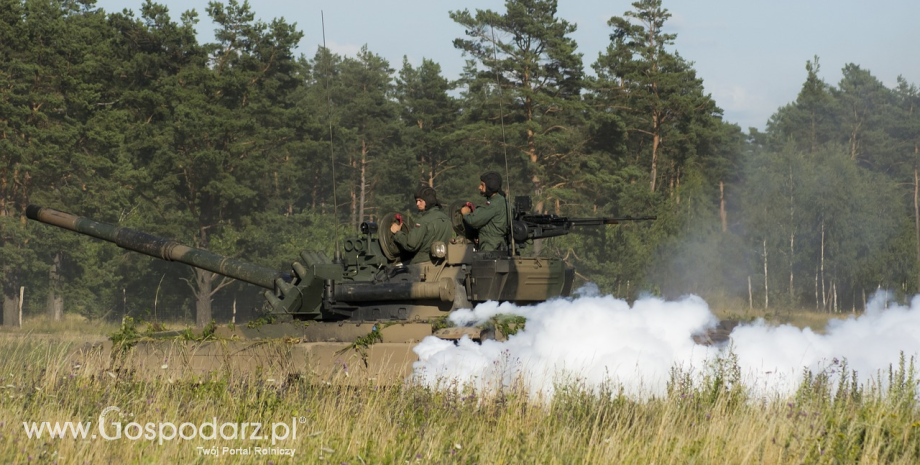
(591, 339)
(775, 358)
(595, 339)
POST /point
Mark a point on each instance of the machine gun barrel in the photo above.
(157, 247)
(542, 226)
(553, 219)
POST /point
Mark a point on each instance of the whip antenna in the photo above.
(501, 117)
(337, 254)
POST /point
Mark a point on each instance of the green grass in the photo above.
(697, 422)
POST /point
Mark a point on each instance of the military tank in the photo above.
(363, 308)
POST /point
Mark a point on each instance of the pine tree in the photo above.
(809, 120)
(429, 116)
(656, 92)
(59, 133)
(367, 131)
(529, 54)
(218, 124)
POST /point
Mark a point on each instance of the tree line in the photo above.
(246, 148)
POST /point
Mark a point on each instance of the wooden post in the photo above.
(792, 267)
(54, 305)
(22, 291)
(917, 217)
(750, 295)
(766, 283)
(823, 293)
(156, 298)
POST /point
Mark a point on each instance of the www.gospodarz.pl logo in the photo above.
(114, 429)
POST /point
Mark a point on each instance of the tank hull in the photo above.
(273, 353)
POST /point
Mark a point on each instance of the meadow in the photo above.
(713, 420)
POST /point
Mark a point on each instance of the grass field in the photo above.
(711, 421)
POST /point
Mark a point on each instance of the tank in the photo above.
(366, 288)
(369, 281)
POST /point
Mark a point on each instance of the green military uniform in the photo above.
(432, 225)
(491, 220)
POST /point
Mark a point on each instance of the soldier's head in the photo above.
(425, 198)
(490, 183)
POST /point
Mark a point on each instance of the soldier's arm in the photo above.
(411, 241)
(481, 216)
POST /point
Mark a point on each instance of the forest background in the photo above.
(231, 146)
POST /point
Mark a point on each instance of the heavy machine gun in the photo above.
(526, 226)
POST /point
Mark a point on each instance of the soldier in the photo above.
(491, 219)
(432, 226)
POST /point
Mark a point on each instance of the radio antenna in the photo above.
(337, 253)
(501, 117)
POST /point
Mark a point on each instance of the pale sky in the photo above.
(751, 54)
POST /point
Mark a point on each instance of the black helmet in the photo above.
(493, 182)
(427, 194)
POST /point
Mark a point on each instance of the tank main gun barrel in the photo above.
(157, 247)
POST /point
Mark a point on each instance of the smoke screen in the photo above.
(592, 340)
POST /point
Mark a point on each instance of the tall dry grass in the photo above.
(714, 420)
(709, 423)
(71, 328)
(815, 320)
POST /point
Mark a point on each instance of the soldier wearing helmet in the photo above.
(431, 225)
(491, 219)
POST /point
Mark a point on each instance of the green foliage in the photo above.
(125, 338)
(853, 212)
(573, 404)
(264, 319)
(243, 148)
(362, 343)
(509, 324)
(430, 116)
(440, 323)
(669, 120)
(208, 331)
(368, 339)
(523, 83)
(188, 335)
(719, 387)
(153, 328)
